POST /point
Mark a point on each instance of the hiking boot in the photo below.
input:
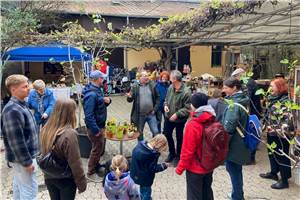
(170, 158)
(252, 162)
(280, 185)
(269, 175)
(176, 161)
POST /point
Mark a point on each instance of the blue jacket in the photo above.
(94, 107)
(48, 100)
(162, 89)
(124, 189)
(144, 164)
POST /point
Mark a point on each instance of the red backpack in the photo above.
(215, 142)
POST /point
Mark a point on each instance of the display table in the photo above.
(125, 138)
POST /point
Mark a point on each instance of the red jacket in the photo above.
(191, 147)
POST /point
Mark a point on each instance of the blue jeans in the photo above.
(236, 176)
(25, 185)
(152, 123)
(145, 193)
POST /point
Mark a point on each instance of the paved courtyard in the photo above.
(168, 185)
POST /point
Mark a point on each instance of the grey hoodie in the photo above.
(124, 189)
(206, 108)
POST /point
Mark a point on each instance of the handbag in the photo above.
(53, 167)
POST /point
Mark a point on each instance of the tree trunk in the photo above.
(166, 57)
(68, 71)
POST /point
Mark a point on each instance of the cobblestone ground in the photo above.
(168, 185)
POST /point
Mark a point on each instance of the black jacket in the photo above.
(144, 165)
(134, 117)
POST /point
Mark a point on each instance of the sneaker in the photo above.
(94, 178)
(269, 175)
(170, 158)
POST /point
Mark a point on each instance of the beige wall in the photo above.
(138, 58)
(201, 61)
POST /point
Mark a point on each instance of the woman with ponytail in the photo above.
(118, 183)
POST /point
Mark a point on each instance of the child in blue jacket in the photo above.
(144, 163)
(118, 183)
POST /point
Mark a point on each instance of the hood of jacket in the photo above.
(145, 151)
(91, 88)
(240, 98)
(204, 114)
(117, 187)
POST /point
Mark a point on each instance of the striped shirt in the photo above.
(20, 132)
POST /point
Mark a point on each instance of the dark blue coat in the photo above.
(94, 107)
(144, 164)
(48, 100)
(162, 89)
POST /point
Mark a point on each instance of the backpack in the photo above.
(215, 144)
(253, 133)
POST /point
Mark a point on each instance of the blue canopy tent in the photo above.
(57, 53)
(50, 53)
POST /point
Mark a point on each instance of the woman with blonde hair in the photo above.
(118, 183)
(144, 163)
(42, 101)
(59, 136)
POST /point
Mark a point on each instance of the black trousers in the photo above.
(168, 132)
(280, 163)
(61, 189)
(199, 186)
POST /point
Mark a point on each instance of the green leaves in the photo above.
(109, 26)
(260, 92)
(215, 4)
(272, 146)
(284, 61)
(230, 103)
(97, 18)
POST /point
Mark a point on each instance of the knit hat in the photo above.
(237, 72)
(96, 74)
(199, 99)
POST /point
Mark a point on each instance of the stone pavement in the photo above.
(168, 185)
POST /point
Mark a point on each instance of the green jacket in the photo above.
(135, 91)
(236, 117)
(178, 102)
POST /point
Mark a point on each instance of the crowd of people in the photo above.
(48, 138)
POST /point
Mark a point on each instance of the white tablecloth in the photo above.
(61, 93)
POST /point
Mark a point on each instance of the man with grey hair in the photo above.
(42, 101)
(145, 107)
(176, 107)
(20, 134)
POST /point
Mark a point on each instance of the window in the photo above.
(216, 56)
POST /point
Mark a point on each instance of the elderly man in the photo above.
(20, 134)
(176, 106)
(95, 111)
(145, 100)
(42, 101)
